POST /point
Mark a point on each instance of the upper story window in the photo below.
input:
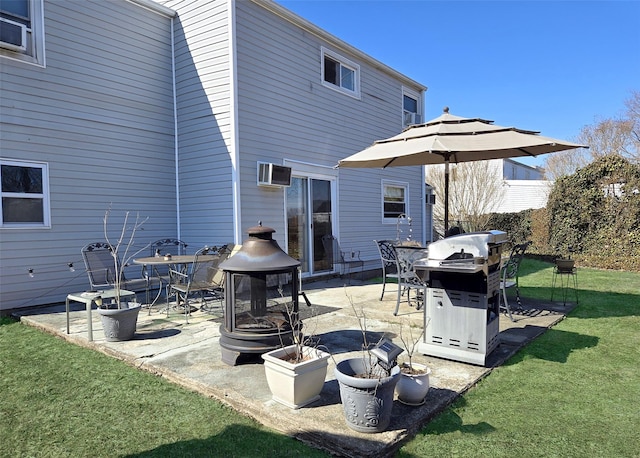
(411, 108)
(340, 73)
(25, 194)
(22, 30)
(395, 198)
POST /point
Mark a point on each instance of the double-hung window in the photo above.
(411, 108)
(340, 73)
(22, 30)
(395, 198)
(25, 194)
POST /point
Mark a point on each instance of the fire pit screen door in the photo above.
(261, 297)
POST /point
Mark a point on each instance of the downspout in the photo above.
(233, 114)
(423, 192)
(175, 129)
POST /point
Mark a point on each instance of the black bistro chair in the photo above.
(388, 260)
(509, 277)
(101, 269)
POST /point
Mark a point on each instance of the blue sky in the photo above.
(547, 66)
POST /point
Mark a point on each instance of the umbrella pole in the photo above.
(446, 196)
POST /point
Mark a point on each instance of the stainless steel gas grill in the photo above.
(462, 275)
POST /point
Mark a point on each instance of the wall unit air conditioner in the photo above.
(13, 35)
(411, 118)
(273, 175)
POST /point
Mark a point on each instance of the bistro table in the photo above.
(182, 260)
(91, 297)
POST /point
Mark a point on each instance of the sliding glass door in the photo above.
(309, 217)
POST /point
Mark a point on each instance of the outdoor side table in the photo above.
(89, 298)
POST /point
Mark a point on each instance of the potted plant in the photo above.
(565, 264)
(296, 373)
(119, 318)
(413, 386)
(367, 385)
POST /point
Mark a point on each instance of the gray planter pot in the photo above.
(367, 402)
(120, 324)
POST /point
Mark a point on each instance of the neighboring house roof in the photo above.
(514, 170)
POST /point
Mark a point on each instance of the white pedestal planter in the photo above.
(412, 388)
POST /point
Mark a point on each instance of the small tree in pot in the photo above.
(413, 386)
(367, 383)
(119, 318)
(296, 373)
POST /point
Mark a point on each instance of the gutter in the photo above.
(155, 7)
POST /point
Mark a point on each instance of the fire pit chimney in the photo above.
(261, 297)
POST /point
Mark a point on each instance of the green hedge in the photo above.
(593, 214)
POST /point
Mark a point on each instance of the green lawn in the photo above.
(575, 391)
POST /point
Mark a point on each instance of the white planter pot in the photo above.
(412, 388)
(295, 385)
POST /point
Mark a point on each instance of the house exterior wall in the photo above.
(522, 186)
(204, 102)
(514, 170)
(97, 115)
(525, 194)
(167, 116)
(285, 113)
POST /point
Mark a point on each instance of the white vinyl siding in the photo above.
(521, 195)
(100, 116)
(247, 89)
(297, 118)
(204, 94)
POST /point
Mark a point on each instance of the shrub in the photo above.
(594, 213)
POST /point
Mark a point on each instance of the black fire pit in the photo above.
(260, 297)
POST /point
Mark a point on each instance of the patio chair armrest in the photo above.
(175, 276)
(101, 278)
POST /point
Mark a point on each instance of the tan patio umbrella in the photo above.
(450, 138)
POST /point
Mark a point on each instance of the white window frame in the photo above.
(396, 184)
(34, 54)
(344, 63)
(418, 97)
(44, 196)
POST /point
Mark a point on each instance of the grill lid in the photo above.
(473, 244)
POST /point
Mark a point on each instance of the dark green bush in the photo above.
(593, 214)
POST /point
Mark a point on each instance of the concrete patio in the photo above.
(189, 355)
